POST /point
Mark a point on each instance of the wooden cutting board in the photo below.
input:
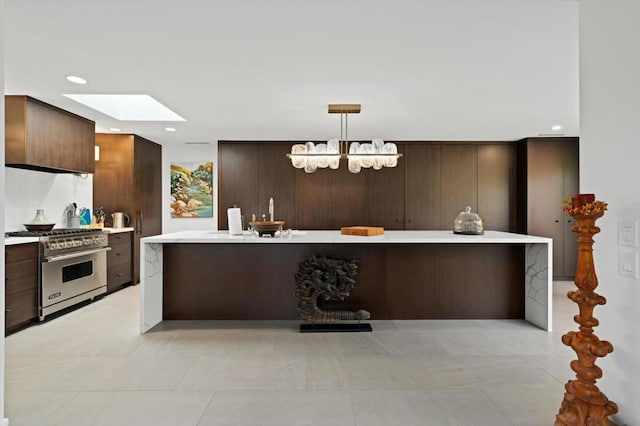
(364, 231)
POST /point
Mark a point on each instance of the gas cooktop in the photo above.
(53, 232)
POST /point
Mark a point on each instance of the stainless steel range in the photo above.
(73, 266)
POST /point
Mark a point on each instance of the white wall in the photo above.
(609, 158)
(188, 153)
(28, 190)
(3, 421)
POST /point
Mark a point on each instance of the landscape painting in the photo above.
(192, 189)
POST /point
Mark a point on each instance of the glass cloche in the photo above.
(468, 223)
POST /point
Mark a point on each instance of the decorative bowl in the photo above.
(35, 227)
(267, 227)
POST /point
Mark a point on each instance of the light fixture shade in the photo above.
(310, 156)
(376, 154)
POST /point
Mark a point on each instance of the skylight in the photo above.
(127, 107)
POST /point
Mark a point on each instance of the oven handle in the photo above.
(74, 255)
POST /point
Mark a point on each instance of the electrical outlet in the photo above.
(628, 264)
(628, 234)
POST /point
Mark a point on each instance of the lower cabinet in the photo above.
(119, 261)
(21, 285)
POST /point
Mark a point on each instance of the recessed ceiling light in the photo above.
(170, 129)
(127, 107)
(115, 129)
(556, 127)
(76, 79)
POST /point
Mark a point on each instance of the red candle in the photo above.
(581, 199)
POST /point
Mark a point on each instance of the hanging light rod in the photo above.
(344, 108)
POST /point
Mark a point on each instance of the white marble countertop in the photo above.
(332, 237)
(20, 240)
(117, 230)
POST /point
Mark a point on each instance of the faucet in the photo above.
(271, 209)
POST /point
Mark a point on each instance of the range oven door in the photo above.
(71, 278)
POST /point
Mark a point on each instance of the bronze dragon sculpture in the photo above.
(323, 278)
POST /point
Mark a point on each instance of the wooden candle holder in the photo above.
(583, 403)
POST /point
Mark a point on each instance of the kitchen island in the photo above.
(210, 275)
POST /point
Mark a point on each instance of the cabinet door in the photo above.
(148, 187)
(21, 284)
(238, 181)
(545, 195)
(349, 197)
(147, 218)
(459, 182)
(496, 186)
(386, 195)
(59, 139)
(276, 179)
(113, 180)
(570, 186)
(422, 186)
(313, 199)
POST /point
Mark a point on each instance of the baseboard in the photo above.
(4, 422)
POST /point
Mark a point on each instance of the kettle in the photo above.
(120, 219)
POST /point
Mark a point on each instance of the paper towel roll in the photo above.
(235, 221)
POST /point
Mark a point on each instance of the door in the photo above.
(422, 186)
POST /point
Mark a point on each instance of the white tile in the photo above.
(33, 408)
(279, 408)
(146, 408)
(528, 405)
(246, 372)
(426, 407)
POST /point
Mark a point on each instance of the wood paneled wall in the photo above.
(433, 182)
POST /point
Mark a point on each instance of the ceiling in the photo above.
(266, 70)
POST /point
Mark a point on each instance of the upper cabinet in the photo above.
(39, 136)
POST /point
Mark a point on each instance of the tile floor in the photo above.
(92, 367)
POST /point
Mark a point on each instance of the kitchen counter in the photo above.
(20, 240)
(402, 275)
(117, 230)
(334, 237)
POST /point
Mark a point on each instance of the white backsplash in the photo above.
(27, 190)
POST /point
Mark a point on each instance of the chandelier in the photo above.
(377, 154)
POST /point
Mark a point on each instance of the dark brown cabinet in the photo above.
(432, 183)
(21, 285)
(39, 136)
(128, 178)
(422, 186)
(386, 196)
(552, 173)
(252, 173)
(497, 186)
(459, 182)
(275, 180)
(119, 261)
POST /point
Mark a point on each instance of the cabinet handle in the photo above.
(119, 274)
(557, 221)
(7, 310)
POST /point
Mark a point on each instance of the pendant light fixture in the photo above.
(377, 154)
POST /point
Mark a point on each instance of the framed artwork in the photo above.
(192, 189)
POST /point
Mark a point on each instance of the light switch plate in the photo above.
(628, 264)
(628, 234)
